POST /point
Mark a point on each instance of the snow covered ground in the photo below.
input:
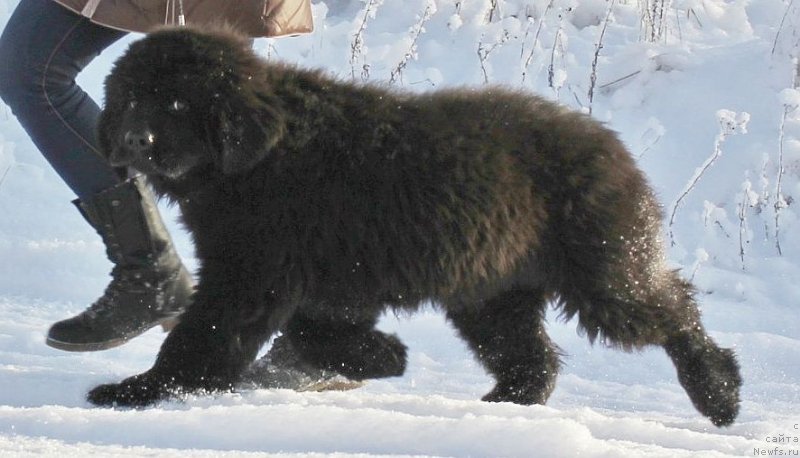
(660, 82)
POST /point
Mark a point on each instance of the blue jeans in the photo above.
(42, 49)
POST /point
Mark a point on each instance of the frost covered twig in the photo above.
(529, 59)
(598, 46)
(357, 45)
(749, 199)
(530, 20)
(701, 257)
(556, 79)
(5, 173)
(780, 27)
(484, 51)
(764, 197)
(717, 214)
(791, 101)
(620, 79)
(493, 14)
(654, 19)
(416, 31)
(779, 201)
(730, 124)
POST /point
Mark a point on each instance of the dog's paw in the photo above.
(371, 355)
(532, 391)
(711, 377)
(137, 391)
(713, 383)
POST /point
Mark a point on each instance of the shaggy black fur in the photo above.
(315, 204)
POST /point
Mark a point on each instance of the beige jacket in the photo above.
(257, 18)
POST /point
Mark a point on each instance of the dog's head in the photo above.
(182, 98)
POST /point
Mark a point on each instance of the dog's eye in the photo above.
(177, 106)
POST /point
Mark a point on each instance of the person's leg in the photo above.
(43, 48)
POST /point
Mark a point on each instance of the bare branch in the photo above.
(598, 46)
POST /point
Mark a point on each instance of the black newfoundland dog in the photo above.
(315, 204)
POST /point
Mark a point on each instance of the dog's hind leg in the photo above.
(668, 317)
(605, 260)
(347, 344)
(620, 288)
(507, 335)
(708, 373)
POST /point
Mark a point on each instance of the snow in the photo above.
(663, 84)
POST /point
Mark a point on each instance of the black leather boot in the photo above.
(149, 284)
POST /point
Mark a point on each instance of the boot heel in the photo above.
(169, 323)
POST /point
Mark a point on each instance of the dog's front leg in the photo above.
(232, 316)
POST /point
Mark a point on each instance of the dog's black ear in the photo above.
(249, 128)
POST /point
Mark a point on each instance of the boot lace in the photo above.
(123, 281)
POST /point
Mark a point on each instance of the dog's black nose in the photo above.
(139, 142)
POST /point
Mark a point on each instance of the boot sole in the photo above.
(338, 383)
(167, 324)
(335, 384)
